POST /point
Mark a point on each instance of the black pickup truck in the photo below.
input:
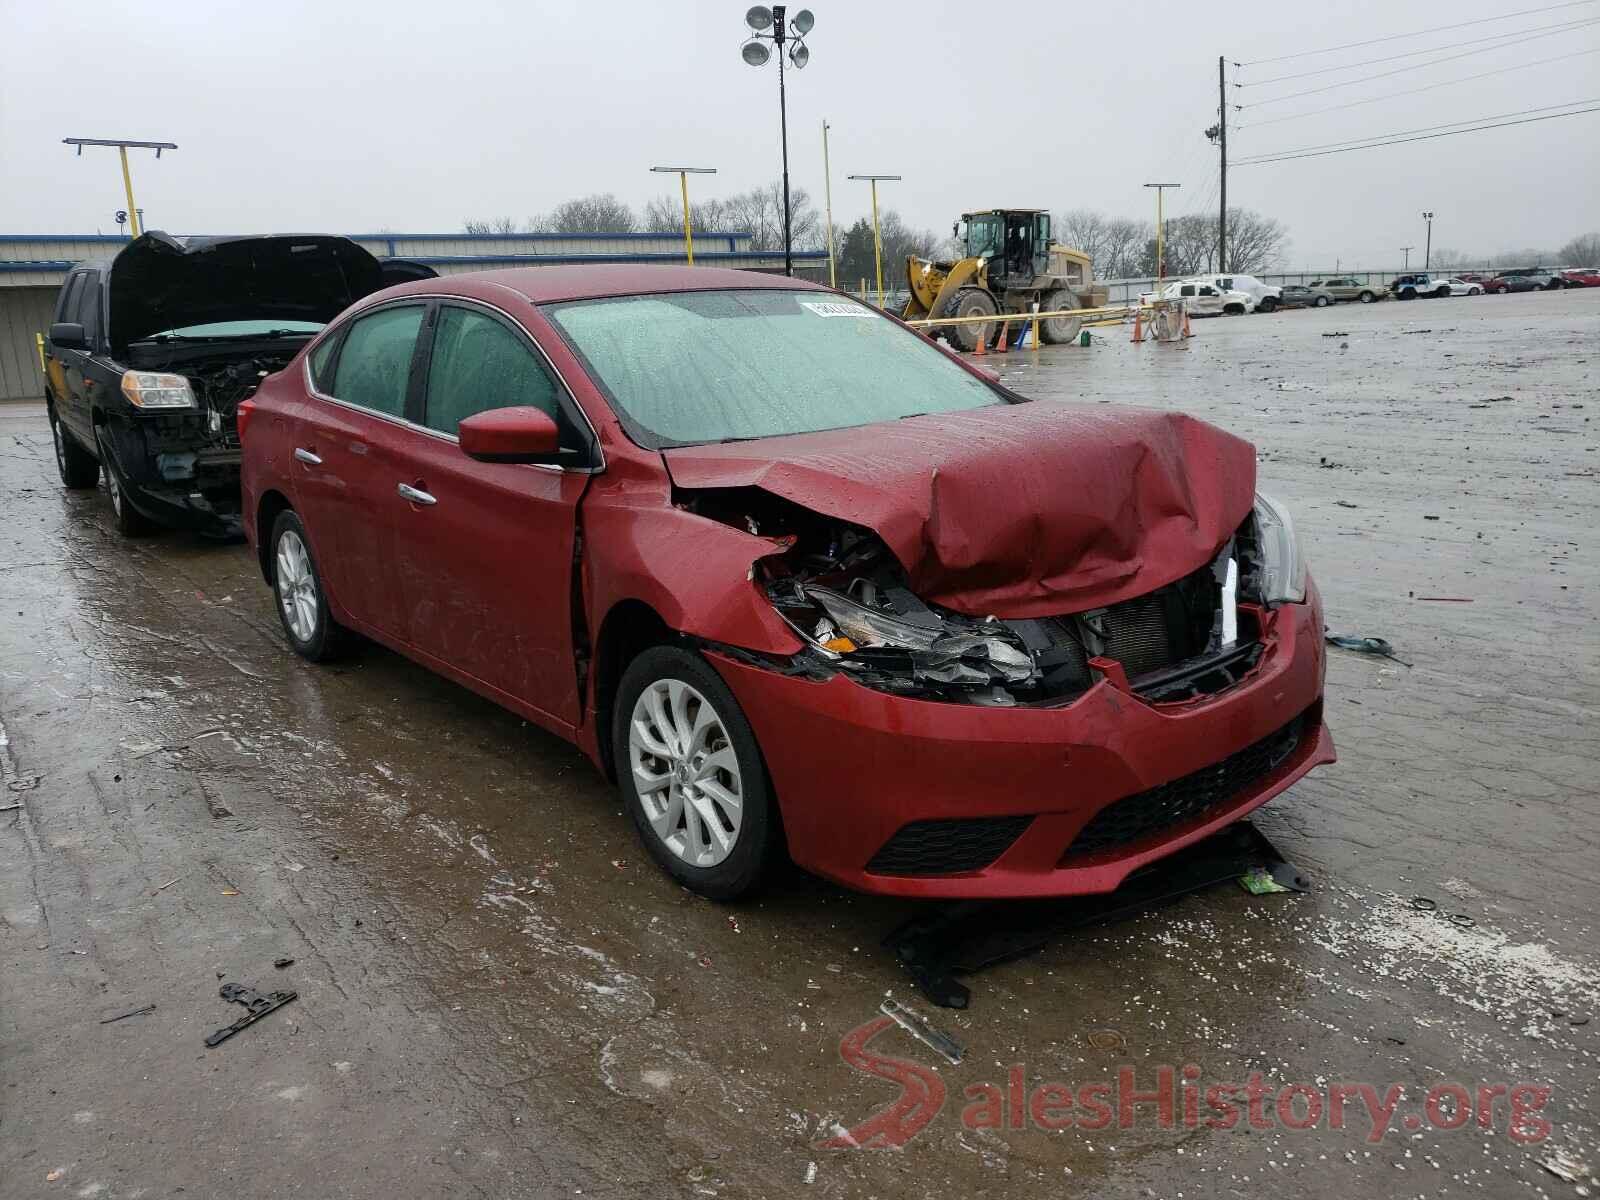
(151, 351)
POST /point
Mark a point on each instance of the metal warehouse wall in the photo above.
(24, 312)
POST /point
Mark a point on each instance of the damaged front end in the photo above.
(843, 592)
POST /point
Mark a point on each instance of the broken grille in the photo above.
(947, 847)
(1137, 816)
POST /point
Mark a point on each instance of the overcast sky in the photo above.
(351, 116)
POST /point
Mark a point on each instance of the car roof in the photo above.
(551, 285)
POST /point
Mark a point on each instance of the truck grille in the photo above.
(947, 847)
(1172, 803)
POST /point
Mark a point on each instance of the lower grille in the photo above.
(1137, 816)
(947, 847)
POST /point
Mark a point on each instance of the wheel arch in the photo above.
(628, 629)
(268, 509)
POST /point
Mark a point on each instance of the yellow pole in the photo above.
(688, 234)
(877, 246)
(127, 183)
(1161, 240)
(827, 186)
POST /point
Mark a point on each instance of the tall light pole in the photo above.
(827, 192)
(683, 174)
(756, 53)
(877, 242)
(1427, 253)
(1161, 229)
(1407, 250)
(135, 214)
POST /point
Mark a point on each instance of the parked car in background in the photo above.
(687, 519)
(1516, 281)
(1300, 295)
(1456, 286)
(1203, 298)
(1582, 277)
(1349, 289)
(1267, 296)
(1477, 277)
(1413, 286)
(150, 353)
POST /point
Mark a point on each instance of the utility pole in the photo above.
(877, 241)
(827, 190)
(683, 174)
(1222, 133)
(1427, 253)
(1407, 250)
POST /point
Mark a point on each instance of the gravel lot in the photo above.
(500, 996)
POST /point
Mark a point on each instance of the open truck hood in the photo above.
(159, 282)
(1027, 510)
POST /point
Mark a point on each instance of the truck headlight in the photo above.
(147, 389)
(1283, 568)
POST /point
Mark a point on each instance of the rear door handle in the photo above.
(306, 456)
(416, 495)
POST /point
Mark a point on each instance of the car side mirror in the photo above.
(511, 435)
(68, 335)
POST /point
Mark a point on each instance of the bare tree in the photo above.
(492, 225)
(759, 212)
(1583, 251)
(1086, 230)
(1255, 243)
(597, 213)
(664, 214)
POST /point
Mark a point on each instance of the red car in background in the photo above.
(796, 577)
(1581, 278)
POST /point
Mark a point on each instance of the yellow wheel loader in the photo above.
(1009, 265)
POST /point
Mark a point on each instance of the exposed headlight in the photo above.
(1283, 568)
(145, 389)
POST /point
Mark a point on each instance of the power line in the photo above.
(1538, 62)
(1494, 37)
(1422, 138)
(1329, 87)
(1400, 37)
(1273, 154)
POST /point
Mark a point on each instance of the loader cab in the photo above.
(1014, 242)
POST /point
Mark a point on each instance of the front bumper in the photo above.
(180, 482)
(852, 766)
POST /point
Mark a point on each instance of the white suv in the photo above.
(1204, 298)
(1267, 296)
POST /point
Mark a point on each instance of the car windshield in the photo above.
(685, 368)
(239, 329)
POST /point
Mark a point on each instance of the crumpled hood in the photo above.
(159, 282)
(1026, 510)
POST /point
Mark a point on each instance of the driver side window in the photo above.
(479, 364)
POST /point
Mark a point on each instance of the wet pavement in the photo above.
(499, 995)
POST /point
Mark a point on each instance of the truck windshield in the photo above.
(685, 368)
(983, 236)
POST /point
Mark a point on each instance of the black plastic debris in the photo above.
(257, 1005)
(281, 963)
(912, 1022)
(132, 1012)
(943, 941)
(1364, 645)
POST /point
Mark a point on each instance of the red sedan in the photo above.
(796, 577)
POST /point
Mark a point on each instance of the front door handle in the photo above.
(306, 456)
(416, 495)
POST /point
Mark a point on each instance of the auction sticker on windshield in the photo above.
(837, 308)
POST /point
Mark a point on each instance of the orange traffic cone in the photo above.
(1003, 342)
(980, 349)
(1138, 326)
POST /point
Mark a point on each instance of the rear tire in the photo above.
(970, 302)
(1367, 297)
(78, 468)
(1473, 291)
(297, 587)
(1268, 304)
(1059, 331)
(705, 809)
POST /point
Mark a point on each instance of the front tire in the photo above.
(970, 302)
(297, 586)
(1268, 304)
(131, 523)
(77, 467)
(691, 774)
(1321, 302)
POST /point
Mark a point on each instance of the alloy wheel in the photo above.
(297, 586)
(686, 772)
(115, 489)
(61, 447)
